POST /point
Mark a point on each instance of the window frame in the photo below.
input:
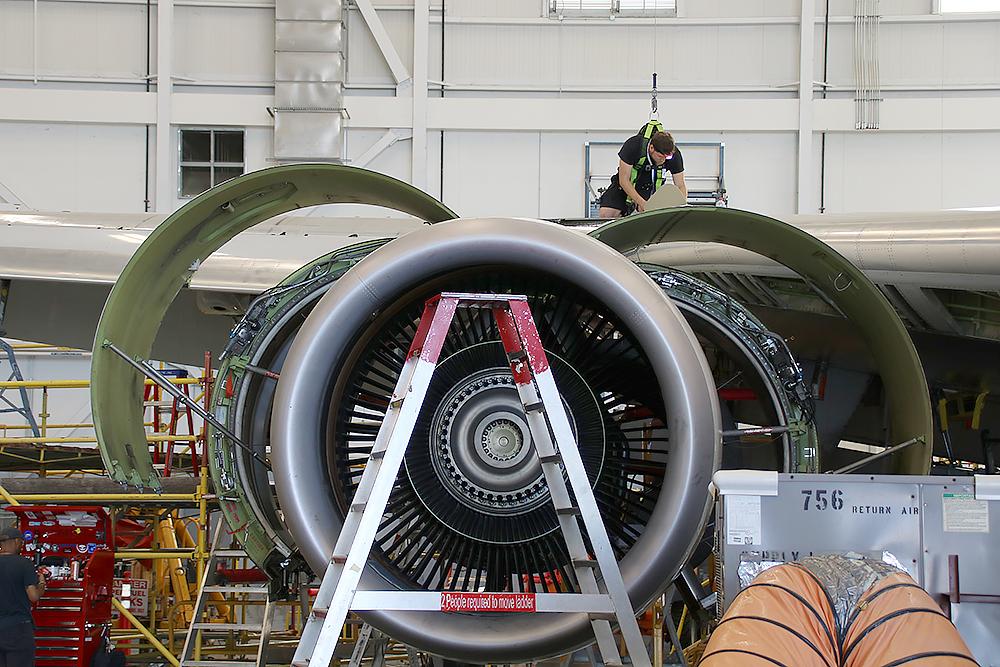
(938, 9)
(550, 10)
(212, 164)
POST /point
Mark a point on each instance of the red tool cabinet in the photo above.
(72, 545)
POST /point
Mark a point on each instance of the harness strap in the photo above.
(650, 128)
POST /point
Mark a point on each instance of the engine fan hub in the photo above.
(502, 441)
(484, 453)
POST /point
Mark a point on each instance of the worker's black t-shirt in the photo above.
(630, 153)
(16, 574)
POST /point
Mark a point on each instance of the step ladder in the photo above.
(555, 448)
(378, 641)
(202, 628)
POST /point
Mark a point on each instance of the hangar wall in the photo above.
(523, 94)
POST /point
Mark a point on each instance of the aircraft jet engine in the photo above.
(640, 353)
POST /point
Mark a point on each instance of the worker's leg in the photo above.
(17, 646)
(613, 203)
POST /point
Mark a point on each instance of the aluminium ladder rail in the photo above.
(546, 417)
(200, 626)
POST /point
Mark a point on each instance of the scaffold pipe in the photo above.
(150, 637)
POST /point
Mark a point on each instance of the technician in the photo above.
(642, 165)
(20, 586)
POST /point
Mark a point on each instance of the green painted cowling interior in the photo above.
(168, 258)
(843, 283)
(242, 484)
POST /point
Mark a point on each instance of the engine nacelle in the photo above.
(470, 510)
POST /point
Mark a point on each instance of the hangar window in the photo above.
(559, 9)
(208, 157)
(961, 6)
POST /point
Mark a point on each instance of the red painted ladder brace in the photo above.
(544, 410)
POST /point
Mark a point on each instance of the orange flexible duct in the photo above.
(898, 621)
(835, 611)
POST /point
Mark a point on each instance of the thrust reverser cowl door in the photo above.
(843, 283)
(168, 258)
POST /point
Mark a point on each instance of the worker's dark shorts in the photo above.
(17, 645)
(615, 198)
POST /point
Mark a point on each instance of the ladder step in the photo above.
(602, 616)
(517, 355)
(377, 454)
(320, 612)
(222, 627)
(555, 457)
(584, 562)
(568, 511)
(338, 559)
(534, 407)
(252, 590)
(359, 507)
(230, 553)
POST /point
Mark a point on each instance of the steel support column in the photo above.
(421, 39)
(165, 170)
(807, 27)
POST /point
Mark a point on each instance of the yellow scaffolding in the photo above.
(172, 542)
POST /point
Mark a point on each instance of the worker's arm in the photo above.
(36, 591)
(681, 185)
(625, 180)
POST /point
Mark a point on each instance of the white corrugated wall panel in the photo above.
(64, 167)
(224, 44)
(871, 171)
(923, 54)
(971, 52)
(909, 54)
(582, 56)
(970, 169)
(506, 55)
(760, 170)
(496, 173)
(561, 168)
(730, 8)
(91, 39)
(15, 37)
(495, 8)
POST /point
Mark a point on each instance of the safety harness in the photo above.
(646, 132)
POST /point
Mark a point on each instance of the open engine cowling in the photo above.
(628, 346)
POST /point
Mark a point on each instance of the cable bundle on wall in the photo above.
(867, 89)
(832, 611)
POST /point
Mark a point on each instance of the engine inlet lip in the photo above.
(666, 339)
